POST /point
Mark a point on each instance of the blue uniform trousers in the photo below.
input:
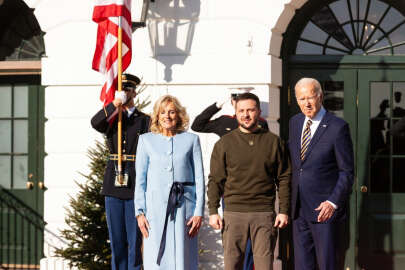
(125, 236)
(248, 263)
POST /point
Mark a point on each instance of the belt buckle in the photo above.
(121, 180)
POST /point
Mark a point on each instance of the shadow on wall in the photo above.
(264, 106)
(171, 31)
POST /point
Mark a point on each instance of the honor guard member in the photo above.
(125, 237)
(221, 126)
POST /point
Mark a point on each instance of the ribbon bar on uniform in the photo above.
(175, 198)
(123, 157)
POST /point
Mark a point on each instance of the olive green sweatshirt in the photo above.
(246, 168)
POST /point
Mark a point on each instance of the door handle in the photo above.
(30, 185)
(41, 185)
(363, 189)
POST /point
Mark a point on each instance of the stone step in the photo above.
(55, 263)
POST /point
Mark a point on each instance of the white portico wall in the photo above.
(234, 43)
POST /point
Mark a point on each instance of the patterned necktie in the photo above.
(306, 138)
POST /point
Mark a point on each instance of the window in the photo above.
(14, 135)
(354, 27)
(387, 153)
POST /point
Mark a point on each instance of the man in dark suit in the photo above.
(322, 160)
(125, 236)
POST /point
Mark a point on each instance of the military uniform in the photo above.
(125, 236)
(221, 125)
(134, 125)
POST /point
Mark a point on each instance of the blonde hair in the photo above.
(182, 116)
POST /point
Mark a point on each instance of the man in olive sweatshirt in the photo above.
(247, 165)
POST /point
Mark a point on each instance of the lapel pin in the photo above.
(228, 129)
(324, 125)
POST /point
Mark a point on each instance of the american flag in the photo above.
(107, 14)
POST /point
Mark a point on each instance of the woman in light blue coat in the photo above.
(169, 191)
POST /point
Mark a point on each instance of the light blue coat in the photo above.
(160, 161)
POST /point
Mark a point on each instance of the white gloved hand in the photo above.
(121, 95)
(220, 102)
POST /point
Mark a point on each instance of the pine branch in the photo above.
(87, 234)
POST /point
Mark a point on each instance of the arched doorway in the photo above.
(21, 37)
(356, 49)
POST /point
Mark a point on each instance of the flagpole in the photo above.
(120, 175)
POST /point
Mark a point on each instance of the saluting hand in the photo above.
(119, 98)
(220, 102)
(195, 223)
(143, 225)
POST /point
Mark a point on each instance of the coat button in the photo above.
(300, 170)
(123, 150)
(124, 141)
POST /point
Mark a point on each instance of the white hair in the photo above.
(309, 81)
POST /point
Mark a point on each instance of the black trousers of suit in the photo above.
(315, 244)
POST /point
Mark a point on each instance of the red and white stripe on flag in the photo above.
(106, 14)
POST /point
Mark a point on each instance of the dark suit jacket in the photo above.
(132, 127)
(326, 173)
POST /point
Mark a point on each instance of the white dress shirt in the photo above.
(130, 111)
(315, 123)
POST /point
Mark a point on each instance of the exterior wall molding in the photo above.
(276, 42)
(20, 67)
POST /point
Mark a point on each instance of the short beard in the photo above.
(252, 127)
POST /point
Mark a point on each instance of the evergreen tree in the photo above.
(87, 236)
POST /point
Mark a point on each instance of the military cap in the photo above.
(237, 91)
(130, 81)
